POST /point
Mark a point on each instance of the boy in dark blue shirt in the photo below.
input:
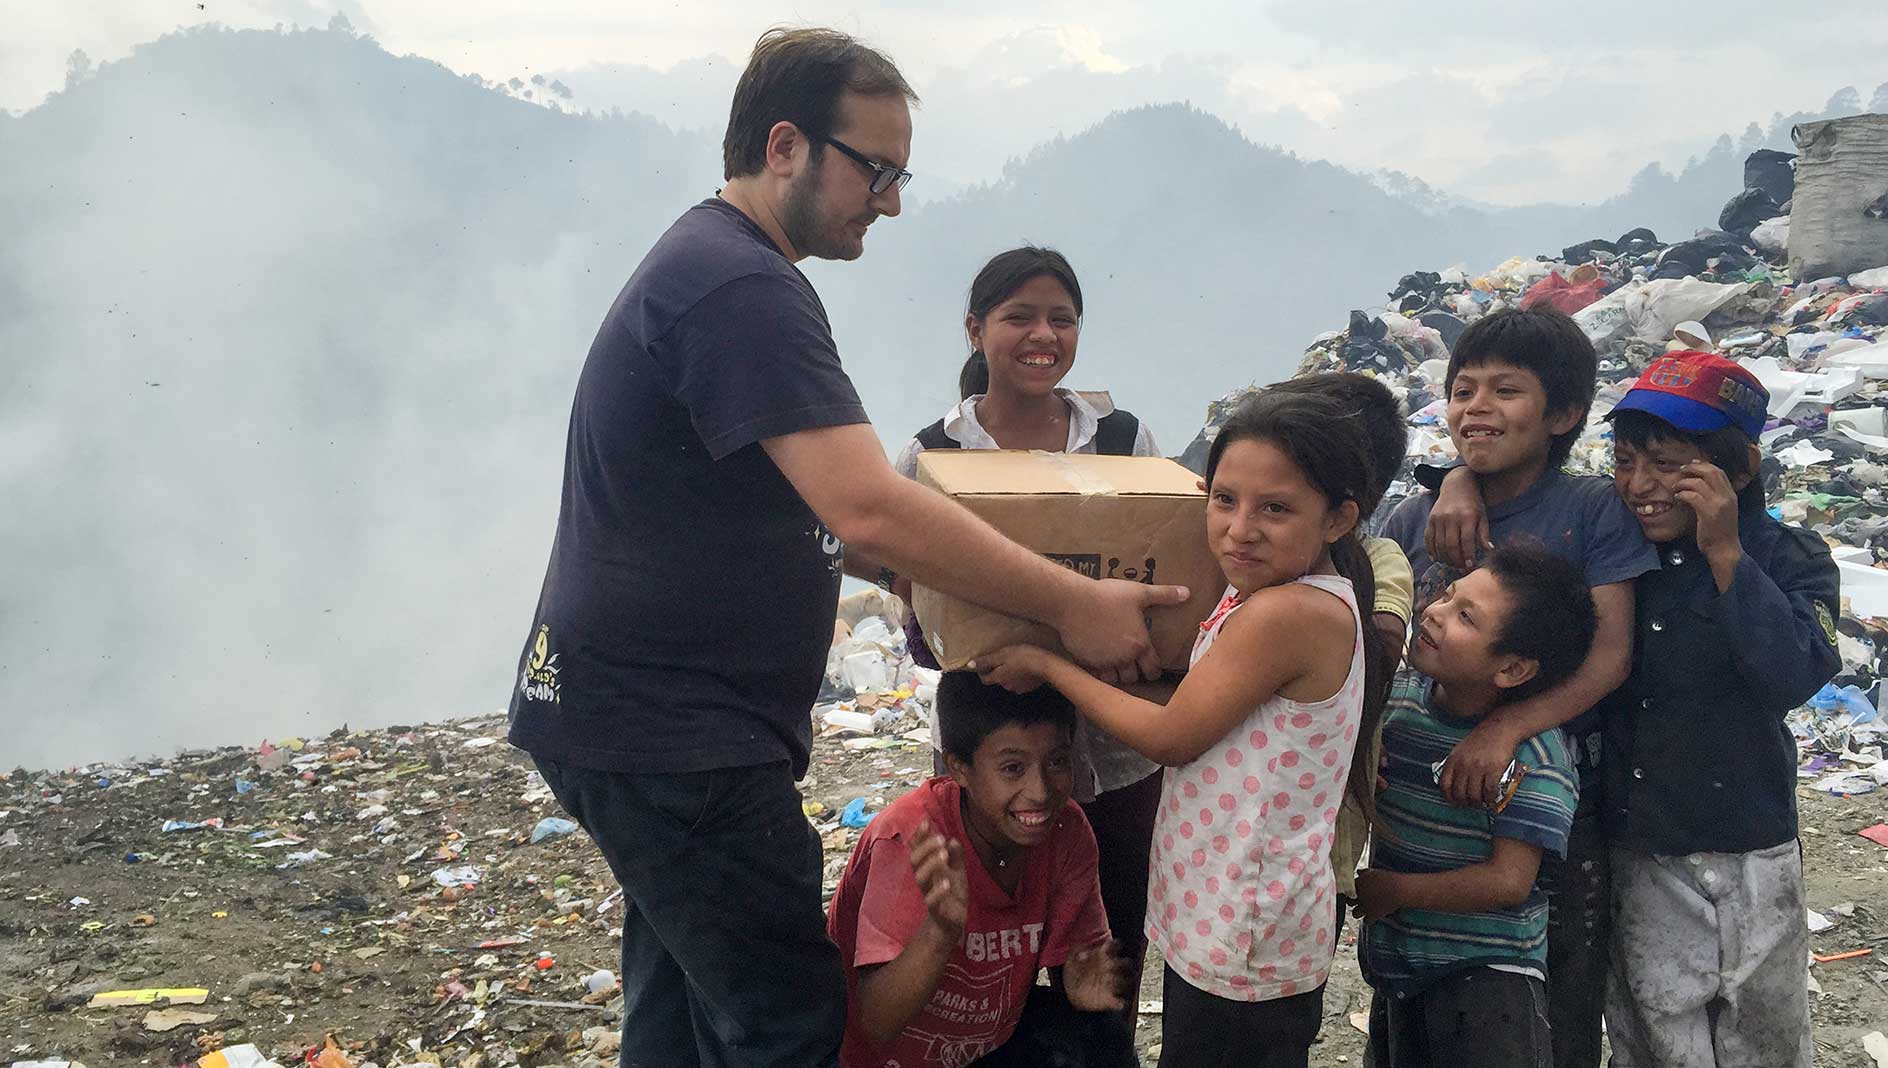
(1519, 385)
(1735, 627)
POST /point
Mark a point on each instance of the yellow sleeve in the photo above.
(1396, 586)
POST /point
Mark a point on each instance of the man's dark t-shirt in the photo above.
(688, 605)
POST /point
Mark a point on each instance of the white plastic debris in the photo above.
(463, 875)
(1803, 454)
(1875, 1044)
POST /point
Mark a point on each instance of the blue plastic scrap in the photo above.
(854, 814)
(551, 827)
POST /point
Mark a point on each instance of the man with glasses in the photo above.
(719, 476)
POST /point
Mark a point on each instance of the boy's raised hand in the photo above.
(1457, 530)
(1703, 488)
(938, 863)
(1095, 978)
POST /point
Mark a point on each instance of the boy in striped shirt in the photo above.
(1455, 941)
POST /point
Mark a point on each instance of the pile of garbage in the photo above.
(1820, 345)
(400, 897)
(874, 695)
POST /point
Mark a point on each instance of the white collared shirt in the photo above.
(1101, 762)
(1086, 409)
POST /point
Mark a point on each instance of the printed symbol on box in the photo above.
(1090, 566)
(1142, 574)
(1085, 564)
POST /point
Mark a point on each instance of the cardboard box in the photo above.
(1139, 518)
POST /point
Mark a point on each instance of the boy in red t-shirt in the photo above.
(960, 891)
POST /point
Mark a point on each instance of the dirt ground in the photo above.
(361, 942)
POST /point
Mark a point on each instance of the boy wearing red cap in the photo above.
(1733, 629)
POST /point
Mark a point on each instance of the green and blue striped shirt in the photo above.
(1419, 832)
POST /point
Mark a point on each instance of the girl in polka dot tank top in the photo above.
(1257, 738)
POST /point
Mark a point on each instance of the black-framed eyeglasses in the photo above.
(883, 174)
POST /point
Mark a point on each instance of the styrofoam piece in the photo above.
(1872, 422)
(1790, 388)
(1854, 554)
(1865, 588)
(1872, 360)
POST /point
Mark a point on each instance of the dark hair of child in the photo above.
(1551, 620)
(1546, 343)
(999, 280)
(1312, 429)
(970, 711)
(1727, 448)
(1379, 415)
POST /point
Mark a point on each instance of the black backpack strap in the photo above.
(1116, 433)
(933, 437)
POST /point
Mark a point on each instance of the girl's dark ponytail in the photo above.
(1352, 562)
(974, 379)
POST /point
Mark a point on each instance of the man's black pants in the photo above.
(726, 961)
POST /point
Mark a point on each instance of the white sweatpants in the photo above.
(1710, 961)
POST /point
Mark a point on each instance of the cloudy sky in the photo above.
(1493, 101)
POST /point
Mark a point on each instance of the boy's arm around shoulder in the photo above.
(1780, 617)
(1473, 773)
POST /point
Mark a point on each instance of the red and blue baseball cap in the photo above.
(1699, 392)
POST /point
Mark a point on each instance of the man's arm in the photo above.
(1472, 775)
(1504, 880)
(842, 474)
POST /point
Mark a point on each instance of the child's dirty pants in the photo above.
(1710, 960)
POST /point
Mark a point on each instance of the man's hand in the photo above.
(1016, 668)
(1095, 978)
(1106, 630)
(938, 862)
(1472, 774)
(1457, 531)
(1376, 894)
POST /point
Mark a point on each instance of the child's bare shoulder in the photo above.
(1288, 606)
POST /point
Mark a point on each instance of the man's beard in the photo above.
(805, 230)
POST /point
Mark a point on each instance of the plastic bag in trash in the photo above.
(551, 827)
(1848, 699)
(854, 814)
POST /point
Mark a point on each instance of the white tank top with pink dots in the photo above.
(1241, 900)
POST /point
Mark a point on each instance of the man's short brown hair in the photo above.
(797, 76)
